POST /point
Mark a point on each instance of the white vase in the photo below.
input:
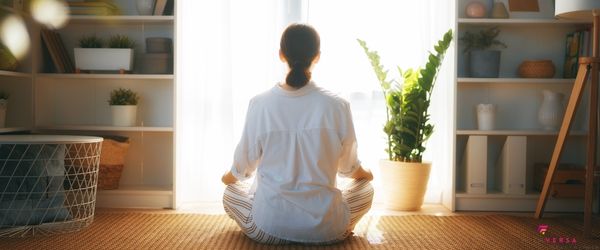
(145, 7)
(551, 111)
(3, 107)
(486, 116)
(123, 115)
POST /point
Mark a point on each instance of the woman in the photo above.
(297, 136)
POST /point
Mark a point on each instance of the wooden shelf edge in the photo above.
(108, 76)
(518, 21)
(13, 129)
(14, 74)
(467, 80)
(121, 18)
(517, 132)
(105, 128)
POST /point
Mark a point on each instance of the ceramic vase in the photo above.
(124, 115)
(486, 116)
(475, 9)
(551, 111)
(484, 63)
(499, 10)
(145, 7)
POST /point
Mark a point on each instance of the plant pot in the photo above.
(3, 107)
(484, 63)
(123, 115)
(404, 184)
(103, 59)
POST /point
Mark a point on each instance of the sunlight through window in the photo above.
(52, 13)
(15, 36)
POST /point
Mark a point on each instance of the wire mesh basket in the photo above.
(48, 187)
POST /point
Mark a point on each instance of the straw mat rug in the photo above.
(141, 230)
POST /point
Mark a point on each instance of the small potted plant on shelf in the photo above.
(123, 105)
(483, 60)
(405, 176)
(3, 107)
(92, 56)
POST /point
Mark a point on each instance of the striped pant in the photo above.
(358, 194)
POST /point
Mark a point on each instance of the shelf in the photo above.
(13, 11)
(500, 195)
(468, 80)
(14, 74)
(517, 132)
(136, 197)
(12, 130)
(497, 201)
(122, 19)
(107, 76)
(518, 21)
(105, 128)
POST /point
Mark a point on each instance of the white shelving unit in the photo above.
(529, 36)
(47, 102)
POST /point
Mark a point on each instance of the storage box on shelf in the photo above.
(494, 170)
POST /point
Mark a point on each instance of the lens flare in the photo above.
(52, 13)
(14, 35)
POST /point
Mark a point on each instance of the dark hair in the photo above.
(300, 44)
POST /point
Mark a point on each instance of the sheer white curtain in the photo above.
(228, 52)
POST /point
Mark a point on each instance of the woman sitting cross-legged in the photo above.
(297, 138)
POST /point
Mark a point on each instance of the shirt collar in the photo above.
(310, 86)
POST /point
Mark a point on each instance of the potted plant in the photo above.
(123, 105)
(92, 56)
(3, 107)
(405, 176)
(483, 61)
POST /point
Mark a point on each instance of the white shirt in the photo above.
(297, 141)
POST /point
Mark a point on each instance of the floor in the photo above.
(377, 209)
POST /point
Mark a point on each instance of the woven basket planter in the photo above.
(112, 160)
(537, 69)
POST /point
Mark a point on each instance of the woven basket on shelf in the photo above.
(537, 69)
(112, 160)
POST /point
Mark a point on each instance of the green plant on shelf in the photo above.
(121, 42)
(91, 41)
(123, 96)
(484, 39)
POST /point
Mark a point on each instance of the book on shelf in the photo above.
(571, 55)
(57, 51)
(577, 45)
(159, 7)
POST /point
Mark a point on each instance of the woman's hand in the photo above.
(361, 173)
(228, 178)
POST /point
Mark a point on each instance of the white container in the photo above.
(3, 107)
(475, 164)
(103, 59)
(486, 116)
(551, 111)
(123, 115)
(145, 7)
